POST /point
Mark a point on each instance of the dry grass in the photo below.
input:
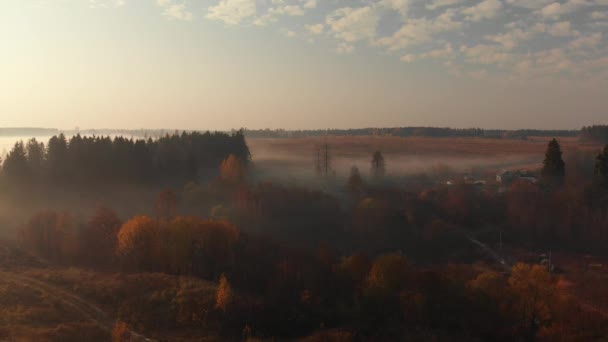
(365, 145)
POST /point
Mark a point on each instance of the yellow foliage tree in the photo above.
(121, 332)
(389, 272)
(233, 170)
(224, 297)
(534, 290)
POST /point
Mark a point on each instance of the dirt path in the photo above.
(73, 302)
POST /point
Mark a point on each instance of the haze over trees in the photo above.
(234, 258)
(94, 160)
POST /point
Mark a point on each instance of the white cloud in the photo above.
(315, 29)
(175, 11)
(511, 39)
(232, 12)
(106, 3)
(436, 4)
(486, 9)
(589, 41)
(345, 49)
(562, 29)
(353, 24)
(417, 31)
(409, 58)
(402, 6)
(530, 4)
(556, 9)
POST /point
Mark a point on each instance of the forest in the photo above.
(238, 258)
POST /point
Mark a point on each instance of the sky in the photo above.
(303, 64)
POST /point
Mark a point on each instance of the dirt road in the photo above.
(71, 301)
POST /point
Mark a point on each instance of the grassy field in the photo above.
(412, 155)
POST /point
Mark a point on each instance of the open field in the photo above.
(410, 155)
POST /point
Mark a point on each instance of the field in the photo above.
(410, 155)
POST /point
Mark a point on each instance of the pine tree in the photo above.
(378, 165)
(554, 168)
(355, 182)
(601, 168)
(15, 167)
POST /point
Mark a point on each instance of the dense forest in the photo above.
(595, 133)
(383, 263)
(100, 159)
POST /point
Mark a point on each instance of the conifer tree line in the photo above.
(100, 159)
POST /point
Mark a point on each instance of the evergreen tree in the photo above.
(15, 168)
(355, 182)
(35, 157)
(554, 168)
(601, 168)
(378, 165)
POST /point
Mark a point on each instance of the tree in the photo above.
(15, 167)
(224, 296)
(601, 169)
(389, 272)
(355, 182)
(35, 157)
(378, 165)
(323, 160)
(100, 236)
(166, 204)
(138, 242)
(233, 170)
(534, 292)
(554, 168)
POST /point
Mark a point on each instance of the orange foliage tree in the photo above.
(233, 170)
(138, 242)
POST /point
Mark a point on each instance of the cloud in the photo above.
(315, 29)
(511, 39)
(353, 24)
(562, 29)
(589, 41)
(174, 11)
(417, 31)
(402, 6)
(436, 4)
(486, 9)
(529, 4)
(555, 10)
(345, 49)
(232, 12)
(106, 3)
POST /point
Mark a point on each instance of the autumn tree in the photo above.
(534, 291)
(224, 296)
(389, 272)
(166, 204)
(121, 332)
(100, 236)
(138, 242)
(233, 170)
(378, 165)
(554, 168)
